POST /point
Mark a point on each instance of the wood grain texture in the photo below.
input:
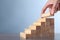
(41, 30)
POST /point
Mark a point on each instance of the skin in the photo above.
(53, 5)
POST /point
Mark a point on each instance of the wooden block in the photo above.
(27, 31)
(37, 24)
(44, 19)
(41, 20)
(28, 36)
(38, 32)
(38, 28)
(22, 35)
(32, 27)
(47, 31)
(46, 15)
(43, 26)
(25, 36)
(50, 22)
(33, 33)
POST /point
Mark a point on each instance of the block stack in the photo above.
(42, 29)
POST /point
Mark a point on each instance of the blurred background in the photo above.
(16, 15)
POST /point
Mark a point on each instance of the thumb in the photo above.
(44, 8)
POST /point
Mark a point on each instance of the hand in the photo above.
(53, 5)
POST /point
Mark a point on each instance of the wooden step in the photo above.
(37, 24)
(38, 28)
(41, 20)
(32, 35)
(50, 22)
(33, 32)
(46, 15)
(22, 35)
(27, 31)
(32, 27)
(28, 36)
(45, 19)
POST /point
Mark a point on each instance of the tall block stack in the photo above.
(42, 29)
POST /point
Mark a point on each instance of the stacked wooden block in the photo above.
(42, 29)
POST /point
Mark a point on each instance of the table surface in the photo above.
(9, 37)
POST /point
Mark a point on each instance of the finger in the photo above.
(50, 8)
(52, 11)
(44, 8)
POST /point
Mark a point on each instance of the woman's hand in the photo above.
(53, 5)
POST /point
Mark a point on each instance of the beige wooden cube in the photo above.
(46, 15)
(27, 31)
(32, 27)
(41, 20)
(37, 24)
(22, 35)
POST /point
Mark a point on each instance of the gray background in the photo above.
(16, 15)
